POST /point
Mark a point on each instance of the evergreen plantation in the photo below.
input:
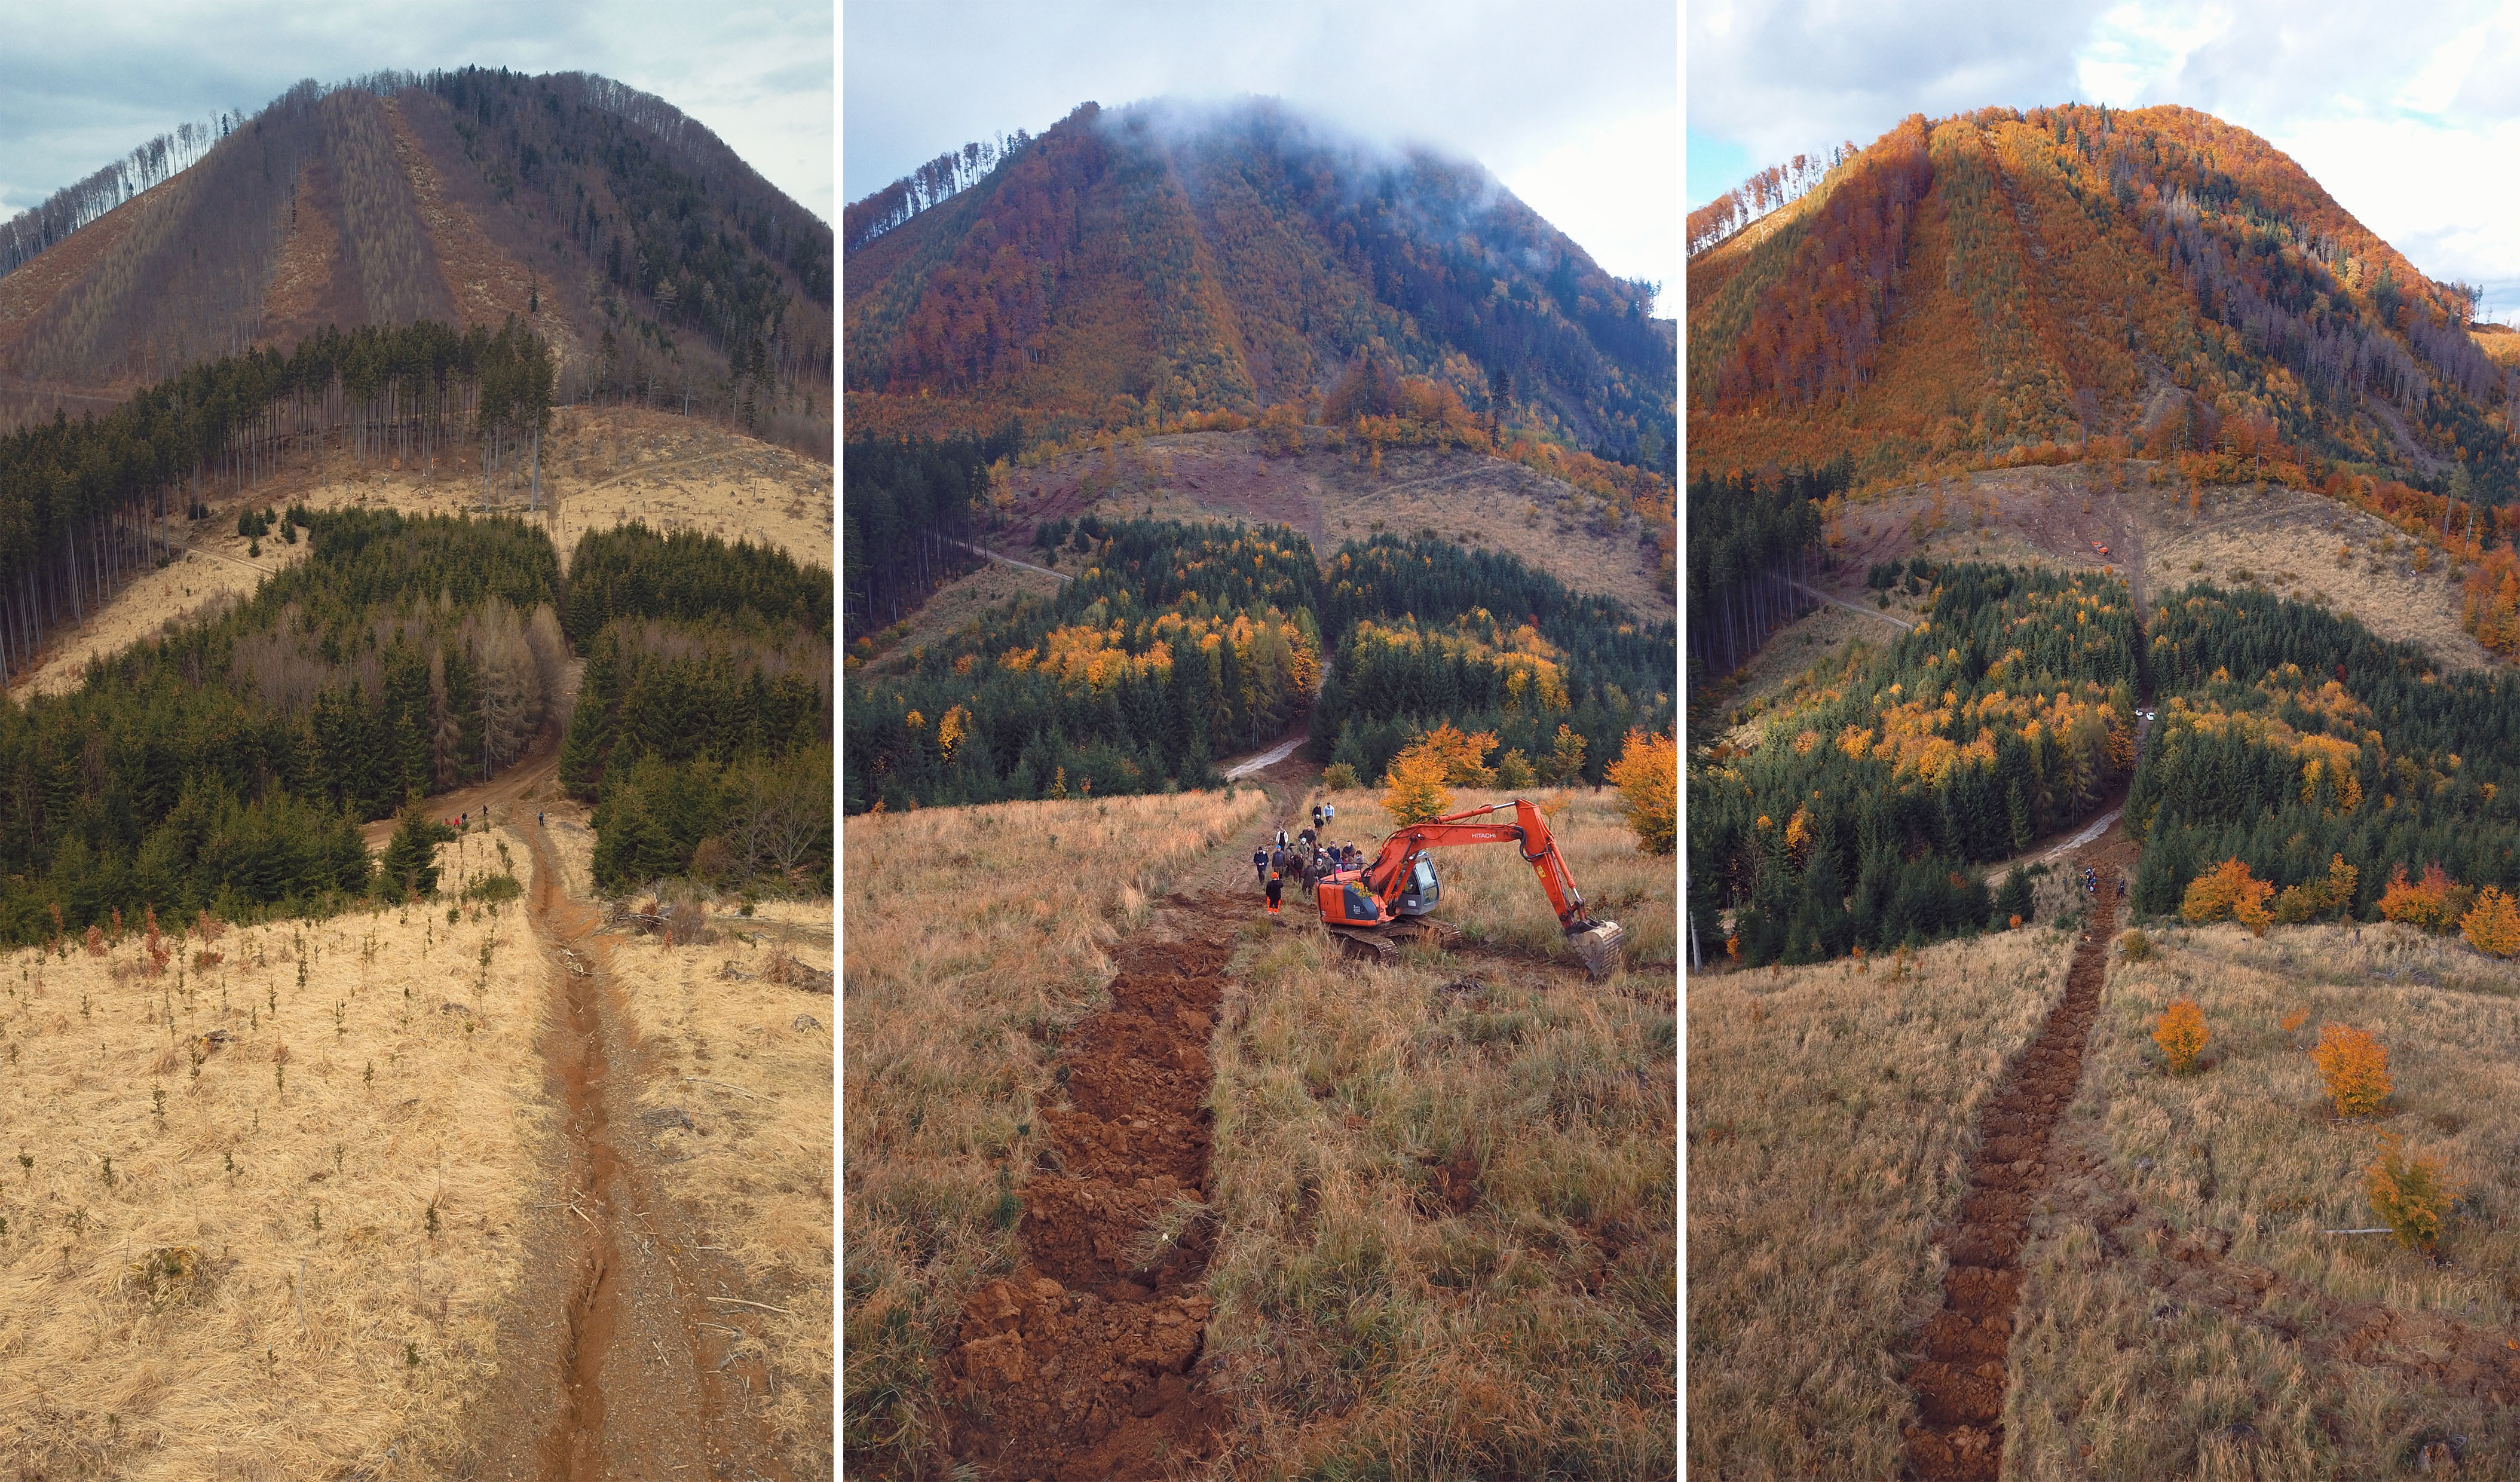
(2007, 713)
(228, 764)
(2323, 759)
(1177, 645)
(2291, 737)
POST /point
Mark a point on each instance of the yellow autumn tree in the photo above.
(1463, 754)
(1647, 777)
(2412, 1196)
(2492, 925)
(2182, 1034)
(1413, 791)
(949, 731)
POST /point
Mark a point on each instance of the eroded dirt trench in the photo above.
(1081, 1365)
(616, 1374)
(1960, 1370)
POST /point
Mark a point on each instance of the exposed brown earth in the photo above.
(625, 1367)
(1080, 1366)
(1960, 1371)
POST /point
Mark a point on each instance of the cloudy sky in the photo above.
(82, 83)
(1574, 106)
(2408, 114)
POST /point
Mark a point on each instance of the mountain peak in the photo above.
(1971, 285)
(1177, 256)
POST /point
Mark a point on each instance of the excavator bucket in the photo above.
(1599, 948)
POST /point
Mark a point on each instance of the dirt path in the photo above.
(1080, 1367)
(1960, 1371)
(508, 791)
(619, 1373)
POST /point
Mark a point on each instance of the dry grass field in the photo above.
(262, 1208)
(977, 936)
(2182, 1314)
(1445, 1189)
(1333, 497)
(1831, 1117)
(2292, 543)
(735, 1093)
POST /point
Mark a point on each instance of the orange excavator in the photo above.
(1373, 908)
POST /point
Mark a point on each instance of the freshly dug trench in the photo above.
(1079, 1366)
(1960, 1370)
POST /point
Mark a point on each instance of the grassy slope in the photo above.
(977, 935)
(1445, 1189)
(1831, 1115)
(283, 1352)
(2107, 1383)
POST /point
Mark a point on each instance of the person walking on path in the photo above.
(1259, 866)
(1276, 884)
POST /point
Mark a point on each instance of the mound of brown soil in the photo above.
(1080, 1366)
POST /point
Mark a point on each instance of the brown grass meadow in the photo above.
(976, 936)
(1446, 1190)
(2116, 1376)
(746, 1063)
(261, 1210)
(1831, 1116)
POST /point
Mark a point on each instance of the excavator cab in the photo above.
(1421, 892)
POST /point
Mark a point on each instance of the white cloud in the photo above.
(2135, 49)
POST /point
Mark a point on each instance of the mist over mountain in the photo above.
(1139, 263)
(655, 261)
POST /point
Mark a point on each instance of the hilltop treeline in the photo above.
(2007, 713)
(1179, 644)
(85, 505)
(672, 220)
(906, 509)
(2058, 265)
(1270, 255)
(2291, 737)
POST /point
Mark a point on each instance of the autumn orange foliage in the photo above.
(2227, 891)
(2356, 1068)
(2492, 925)
(2435, 902)
(2182, 1034)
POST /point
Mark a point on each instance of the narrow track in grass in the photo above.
(1960, 1370)
(616, 1372)
(1080, 1366)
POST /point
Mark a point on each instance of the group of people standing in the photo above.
(1308, 856)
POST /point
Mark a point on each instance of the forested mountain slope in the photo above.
(2000, 285)
(1139, 264)
(652, 260)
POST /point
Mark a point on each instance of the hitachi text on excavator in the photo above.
(1373, 910)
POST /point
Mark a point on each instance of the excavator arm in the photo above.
(1387, 877)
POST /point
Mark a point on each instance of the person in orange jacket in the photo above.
(1277, 883)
